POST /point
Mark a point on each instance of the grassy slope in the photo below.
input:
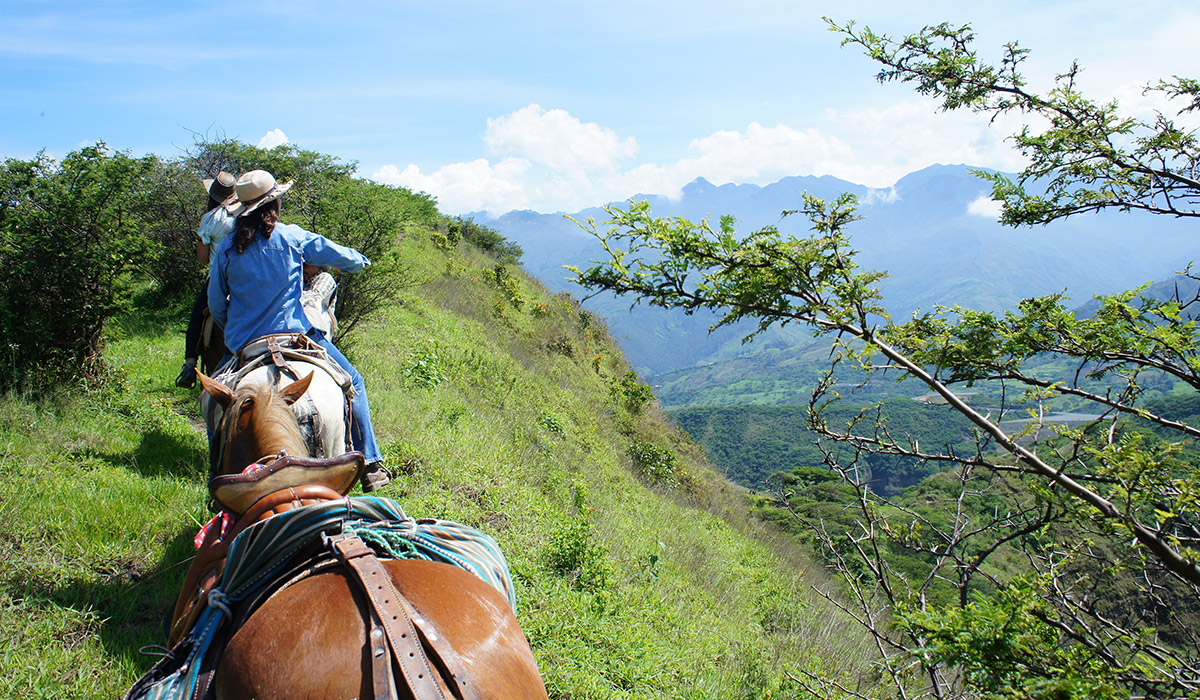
(499, 415)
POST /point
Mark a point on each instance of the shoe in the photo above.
(187, 375)
(375, 477)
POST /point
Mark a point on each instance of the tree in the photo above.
(70, 231)
(1087, 155)
(1070, 553)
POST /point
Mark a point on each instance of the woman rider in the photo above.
(214, 225)
(256, 280)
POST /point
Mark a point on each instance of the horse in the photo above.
(210, 347)
(322, 410)
(320, 637)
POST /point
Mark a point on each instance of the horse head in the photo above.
(256, 422)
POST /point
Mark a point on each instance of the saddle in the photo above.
(399, 637)
(278, 350)
(250, 497)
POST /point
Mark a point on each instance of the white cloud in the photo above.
(986, 207)
(553, 161)
(890, 142)
(557, 140)
(887, 195)
(758, 155)
(273, 138)
(463, 187)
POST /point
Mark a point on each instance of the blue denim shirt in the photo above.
(257, 292)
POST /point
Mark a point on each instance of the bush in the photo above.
(654, 462)
(630, 393)
(575, 553)
(425, 367)
(69, 233)
(488, 240)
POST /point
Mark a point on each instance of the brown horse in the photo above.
(311, 639)
(210, 347)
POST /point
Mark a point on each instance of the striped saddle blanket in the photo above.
(269, 549)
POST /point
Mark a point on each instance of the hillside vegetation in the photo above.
(499, 405)
(751, 444)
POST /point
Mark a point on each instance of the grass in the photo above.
(500, 406)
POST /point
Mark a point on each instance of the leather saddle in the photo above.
(250, 497)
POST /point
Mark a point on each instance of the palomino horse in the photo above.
(321, 637)
(320, 411)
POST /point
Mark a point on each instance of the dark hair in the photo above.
(249, 226)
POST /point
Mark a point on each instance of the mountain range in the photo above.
(931, 231)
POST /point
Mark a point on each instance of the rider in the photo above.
(215, 223)
(257, 278)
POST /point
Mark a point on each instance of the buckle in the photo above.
(347, 546)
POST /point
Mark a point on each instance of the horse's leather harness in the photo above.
(427, 662)
(396, 615)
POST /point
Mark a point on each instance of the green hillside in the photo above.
(640, 573)
(752, 443)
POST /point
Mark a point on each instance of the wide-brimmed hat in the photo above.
(220, 188)
(254, 189)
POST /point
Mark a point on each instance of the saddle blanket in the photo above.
(268, 549)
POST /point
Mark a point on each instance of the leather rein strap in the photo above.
(396, 615)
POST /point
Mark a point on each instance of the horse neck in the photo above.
(270, 428)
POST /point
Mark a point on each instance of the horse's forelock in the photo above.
(273, 425)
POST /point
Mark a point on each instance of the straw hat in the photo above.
(220, 187)
(255, 189)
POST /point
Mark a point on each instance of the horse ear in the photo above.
(245, 414)
(220, 393)
(292, 392)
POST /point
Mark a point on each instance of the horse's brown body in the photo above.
(210, 348)
(310, 639)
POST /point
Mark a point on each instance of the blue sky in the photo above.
(547, 105)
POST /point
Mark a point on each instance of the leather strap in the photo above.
(396, 615)
(382, 680)
(442, 655)
(276, 353)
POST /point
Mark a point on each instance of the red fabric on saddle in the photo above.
(226, 520)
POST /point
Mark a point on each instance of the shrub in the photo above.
(508, 285)
(69, 233)
(575, 553)
(551, 423)
(630, 393)
(174, 204)
(490, 241)
(654, 462)
(425, 367)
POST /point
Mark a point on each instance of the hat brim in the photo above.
(216, 191)
(238, 208)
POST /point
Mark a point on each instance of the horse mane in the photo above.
(272, 426)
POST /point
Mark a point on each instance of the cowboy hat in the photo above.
(254, 189)
(220, 187)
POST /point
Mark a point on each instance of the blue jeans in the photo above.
(362, 433)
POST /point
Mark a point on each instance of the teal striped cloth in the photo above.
(267, 549)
